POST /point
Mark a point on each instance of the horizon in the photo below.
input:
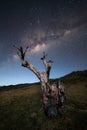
(39, 80)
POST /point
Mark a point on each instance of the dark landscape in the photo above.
(21, 106)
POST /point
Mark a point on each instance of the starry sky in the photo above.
(58, 27)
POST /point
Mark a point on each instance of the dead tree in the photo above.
(48, 93)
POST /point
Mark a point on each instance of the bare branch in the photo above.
(44, 56)
(27, 64)
(21, 53)
(48, 64)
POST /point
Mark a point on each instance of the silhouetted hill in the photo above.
(75, 77)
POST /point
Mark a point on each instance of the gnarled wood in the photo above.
(48, 91)
(28, 65)
(47, 64)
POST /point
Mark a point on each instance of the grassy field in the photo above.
(21, 109)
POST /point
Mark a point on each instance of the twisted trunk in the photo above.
(47, 89)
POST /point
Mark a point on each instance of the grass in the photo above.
(21, 109)
(77, 93)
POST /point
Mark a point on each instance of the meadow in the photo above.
(21, 108)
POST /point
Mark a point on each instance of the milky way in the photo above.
(58, 27)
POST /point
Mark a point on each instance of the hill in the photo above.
(75, 77)
(21, 108)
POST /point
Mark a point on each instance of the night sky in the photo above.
(58, 27)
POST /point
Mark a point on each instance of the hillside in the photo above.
(75, 77)
(21, 108)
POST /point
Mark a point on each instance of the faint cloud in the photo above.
(38, 48)
(15, 57)
(67, 32)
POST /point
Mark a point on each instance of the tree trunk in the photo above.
(47, 89)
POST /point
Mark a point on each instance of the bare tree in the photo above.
(48, 89)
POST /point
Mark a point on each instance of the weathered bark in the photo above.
(28, 65)
(43, 77)
(47, 64)
(48, 91)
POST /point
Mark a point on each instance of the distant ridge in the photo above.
(73, 77)
(17, 86)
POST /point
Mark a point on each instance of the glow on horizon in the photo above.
(26, 76)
